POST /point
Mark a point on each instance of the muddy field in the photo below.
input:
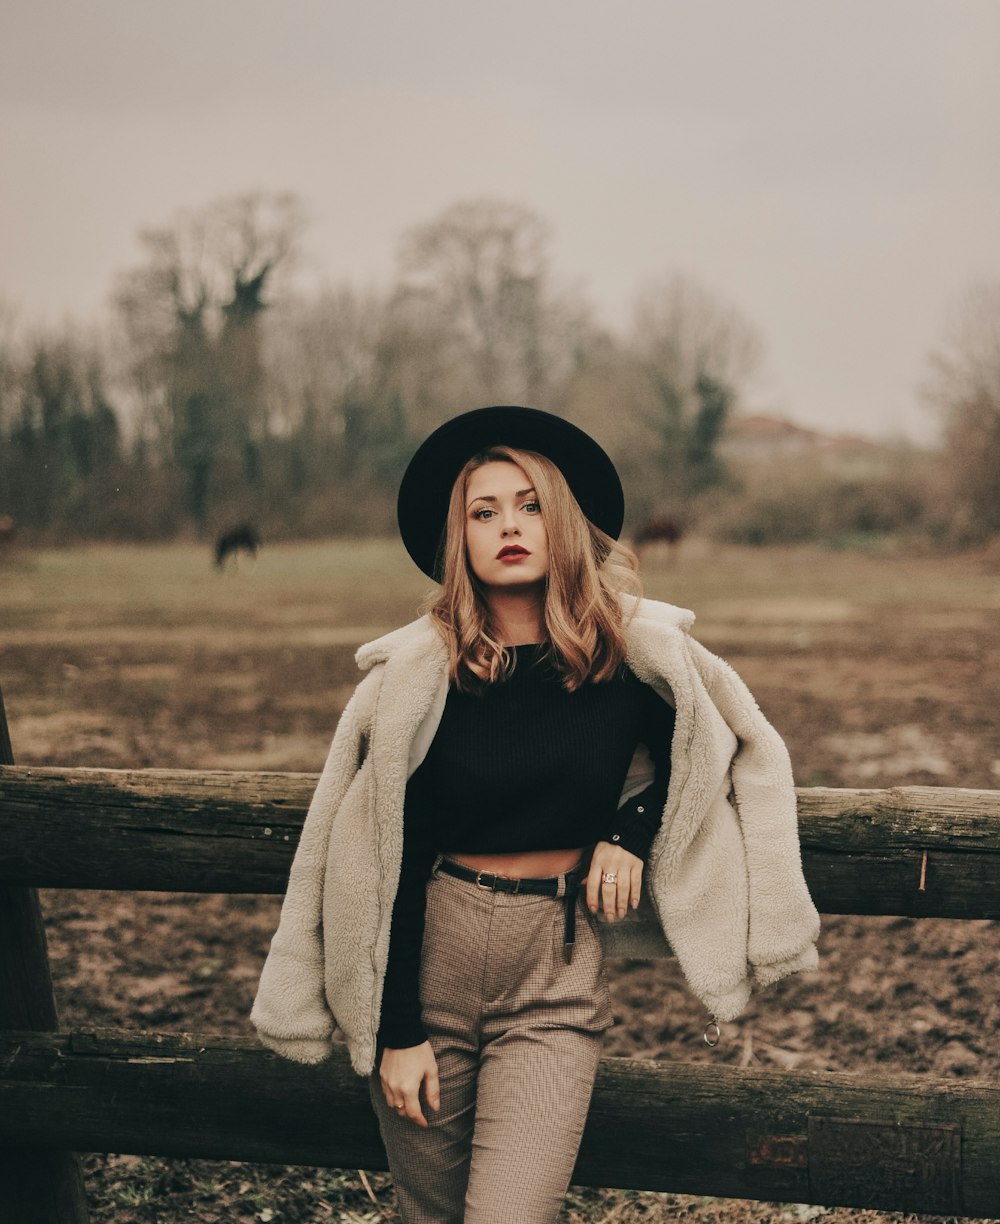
(878, 671)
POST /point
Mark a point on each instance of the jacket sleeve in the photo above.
(290, 1011)
(784, 924)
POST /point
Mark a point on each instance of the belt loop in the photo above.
(434, 866)
(569, 927)
(571, 884)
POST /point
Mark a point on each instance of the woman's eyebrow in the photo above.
(490, 497)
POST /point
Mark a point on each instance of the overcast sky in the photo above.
(829, 167)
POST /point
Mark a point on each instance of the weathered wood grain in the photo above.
(175, 830)
(691, 1128)
(37, 1186)
(163, 830)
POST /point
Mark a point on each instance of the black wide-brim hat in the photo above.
(425, 490)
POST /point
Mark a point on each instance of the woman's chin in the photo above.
(510, 580)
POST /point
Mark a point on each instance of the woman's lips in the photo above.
(512, 553)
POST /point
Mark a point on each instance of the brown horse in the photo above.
(659, 529)
(8, 533)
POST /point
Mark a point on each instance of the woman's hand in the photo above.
(402, 1072)
(615, 896)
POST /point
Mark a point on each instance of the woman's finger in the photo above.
(609, 894)
(594, 881)
(398, 1097)
(624, 892)
(619, 892)
(635, 889)
(411, 1107)
(432, 1086)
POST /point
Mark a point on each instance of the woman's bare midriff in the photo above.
(527, 865)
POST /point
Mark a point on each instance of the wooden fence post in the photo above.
(36, 1186)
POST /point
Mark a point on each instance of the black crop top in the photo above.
(523, 765)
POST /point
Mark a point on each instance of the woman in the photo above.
(541, 737)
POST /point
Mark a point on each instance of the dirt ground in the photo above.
(878, 671)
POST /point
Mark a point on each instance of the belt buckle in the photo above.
(494, 885)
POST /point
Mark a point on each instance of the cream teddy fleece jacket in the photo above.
(724, 885)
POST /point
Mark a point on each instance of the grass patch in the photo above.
(150, 1190)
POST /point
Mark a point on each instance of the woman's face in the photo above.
(505, 535)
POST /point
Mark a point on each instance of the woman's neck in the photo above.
(517, 617)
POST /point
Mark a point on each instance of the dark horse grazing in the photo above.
(243, 538)
(8, 534)
(666, 530)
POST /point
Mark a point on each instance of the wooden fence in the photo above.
(899, 1142)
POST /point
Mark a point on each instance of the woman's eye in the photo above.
(484, 512)
(532, 507)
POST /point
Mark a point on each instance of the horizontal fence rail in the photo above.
(899, 1142)
(918, 850)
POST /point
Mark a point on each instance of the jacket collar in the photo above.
(655, 612)
(420, 637)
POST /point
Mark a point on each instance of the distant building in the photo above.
(763, 439)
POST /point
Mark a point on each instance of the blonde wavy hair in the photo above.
(588, 571)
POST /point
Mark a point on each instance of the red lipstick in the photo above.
(512, 550)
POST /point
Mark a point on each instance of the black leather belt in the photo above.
(566, 885)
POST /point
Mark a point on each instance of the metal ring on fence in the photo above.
(712, 1033)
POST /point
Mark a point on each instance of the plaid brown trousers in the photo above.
(517, 1034)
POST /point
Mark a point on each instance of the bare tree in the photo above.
(333, 385)
(192, 311)
(10, 362)
(320, 351)
(60, 436)
(474, 287)
(964, 387)
(695, 353)
(211, 263)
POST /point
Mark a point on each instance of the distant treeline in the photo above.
(222, 394)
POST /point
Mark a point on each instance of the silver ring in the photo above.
(610, 877)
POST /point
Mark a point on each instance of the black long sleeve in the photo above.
(401, 1024)
(637, 821)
